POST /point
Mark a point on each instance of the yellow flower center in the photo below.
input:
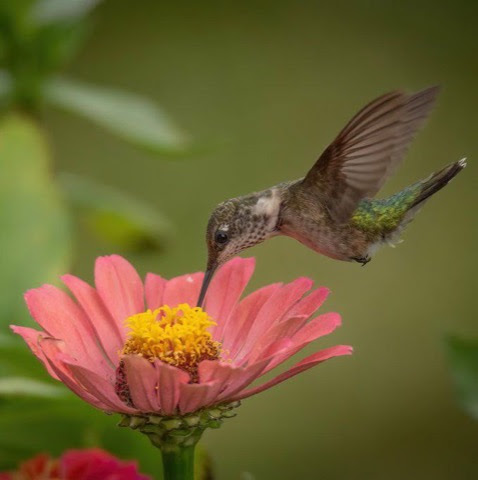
(178, 336)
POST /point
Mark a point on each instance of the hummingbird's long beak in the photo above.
(205, 284)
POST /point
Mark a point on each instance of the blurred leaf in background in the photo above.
(52, 11)
(37, 39)
(130, 116)
(35, 242)
(35, 248)
(22, 386)
(463, 357)
(114, 216)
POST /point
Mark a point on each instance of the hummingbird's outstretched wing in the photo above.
(367, 151)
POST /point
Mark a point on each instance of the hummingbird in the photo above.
(332, 210)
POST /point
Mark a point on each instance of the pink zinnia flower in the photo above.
(90, 464)
(137, 348)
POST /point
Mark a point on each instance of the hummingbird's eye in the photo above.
(221, 237)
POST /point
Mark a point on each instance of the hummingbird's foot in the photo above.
(362, 260)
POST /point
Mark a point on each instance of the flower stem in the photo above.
(178, 464)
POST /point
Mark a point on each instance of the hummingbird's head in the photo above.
(237, 224)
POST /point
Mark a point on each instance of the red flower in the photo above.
(91, 464)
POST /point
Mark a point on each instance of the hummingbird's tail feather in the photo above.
(436, 181)
(387, 218)
(423, 190)
(384, 220)
(426, 188)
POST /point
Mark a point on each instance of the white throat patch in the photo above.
(269, 207)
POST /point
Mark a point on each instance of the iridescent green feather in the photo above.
(382, 216)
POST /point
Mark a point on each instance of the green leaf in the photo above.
(130, 116)
(463, 356)
(35, 241)
(27, 387)
(49, 11)
(114, 216)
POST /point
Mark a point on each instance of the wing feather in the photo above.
(368, 150)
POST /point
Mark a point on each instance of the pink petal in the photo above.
(223, 375)
(183, 289)
(110, 336)
(169, 381)
(283, 330)
(195, 396)
(99, 387)
(53, 349)
(214, 370)
(153, 289)
(295, 318)
(300, 367)
(244, 377)
(272, 311)
(32, 338)
(244, 316)
(62, 318)
(273, 354)
(310, 303)
(227, 378)
(316, 328)
(279, 347)
(142, 379)
(226, 289)
(119, 287)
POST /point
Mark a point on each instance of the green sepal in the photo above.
(173, 432)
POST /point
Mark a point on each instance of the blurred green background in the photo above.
(261, 88)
